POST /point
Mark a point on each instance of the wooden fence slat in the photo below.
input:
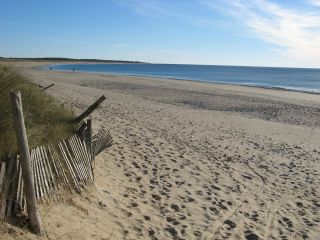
(43, 184)
(86, 157)
(58, 173)
(36, 174)
(77, 159)
(89, 137)
(43, 172)
(2, 174)
(21, 194)
(4, 193)
(12, 189)
(17, 194)
(74, 167)
(81, 157)
(24, 203)
(97, 142)
(50, 168)
(40, 178)
(53, 182)
(46, 170)
(20, 191)
(73, 177)
(82, 160)
(74, 160)
(60, 168)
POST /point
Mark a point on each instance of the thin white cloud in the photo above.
(315, 2)
(165, 9)
(295, 31)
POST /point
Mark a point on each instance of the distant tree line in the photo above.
(59, 59)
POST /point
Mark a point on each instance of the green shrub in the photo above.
(46, 121)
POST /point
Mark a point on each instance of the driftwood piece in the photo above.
(32, 205)
(45, 88)
(89, 110)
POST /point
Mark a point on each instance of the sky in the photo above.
(282, 33)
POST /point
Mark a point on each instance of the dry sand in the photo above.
(191, 161)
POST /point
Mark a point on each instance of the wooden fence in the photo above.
(67, 166)
(40, 173)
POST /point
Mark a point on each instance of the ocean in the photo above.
(299, 79)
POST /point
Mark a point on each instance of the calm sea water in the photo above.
(302, 79)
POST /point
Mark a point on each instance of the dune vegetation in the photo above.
(46, 121)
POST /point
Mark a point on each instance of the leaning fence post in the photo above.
(89, 110)
(25, 160)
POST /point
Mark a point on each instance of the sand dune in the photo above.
(191, 161)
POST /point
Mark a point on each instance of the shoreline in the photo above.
(193, 80)
(266, 92)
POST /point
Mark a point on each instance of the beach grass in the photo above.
(47, 122)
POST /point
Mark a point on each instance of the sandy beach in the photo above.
(190, 160)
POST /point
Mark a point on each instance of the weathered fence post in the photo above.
(25, 160)
(89, 110)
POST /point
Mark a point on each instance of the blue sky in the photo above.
(235, 32)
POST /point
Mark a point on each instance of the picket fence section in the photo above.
(68, 166)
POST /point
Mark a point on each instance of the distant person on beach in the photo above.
(72, 69)
(50, 68)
